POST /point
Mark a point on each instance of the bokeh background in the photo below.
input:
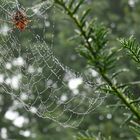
(54, 27)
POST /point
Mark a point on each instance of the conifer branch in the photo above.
(95, 39)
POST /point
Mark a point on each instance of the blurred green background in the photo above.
(122, 17)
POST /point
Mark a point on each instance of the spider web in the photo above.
(31, 73)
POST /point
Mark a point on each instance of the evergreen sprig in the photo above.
(133, 48)
(94, 47)
(87, 136)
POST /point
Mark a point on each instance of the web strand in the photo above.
(40, 82)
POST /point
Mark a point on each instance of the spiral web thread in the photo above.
(41, 81)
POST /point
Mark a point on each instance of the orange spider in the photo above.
(20, 20)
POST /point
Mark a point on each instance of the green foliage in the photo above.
(94, 47)
(87, 136)
(135, 127)
(94, 41)
(133, 48)
(102, 54)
